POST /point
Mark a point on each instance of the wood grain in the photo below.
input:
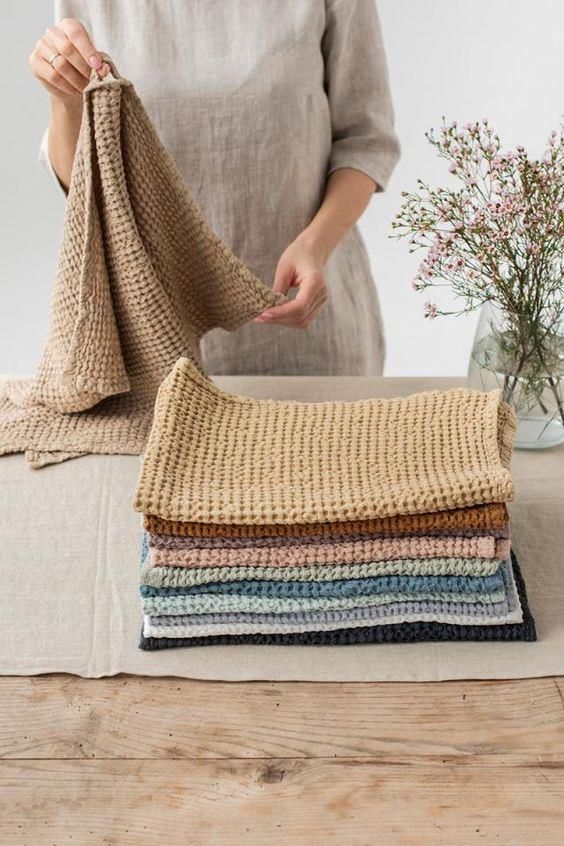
(279, 801)
(135, 717)
(132, 760)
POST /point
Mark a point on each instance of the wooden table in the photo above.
(131, 760)
(142, 761)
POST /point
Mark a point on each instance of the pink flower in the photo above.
(430, 310)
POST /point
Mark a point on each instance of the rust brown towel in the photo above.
(479, 517)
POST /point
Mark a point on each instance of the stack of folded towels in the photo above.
(327, 523)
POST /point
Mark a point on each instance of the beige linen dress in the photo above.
(258, 101)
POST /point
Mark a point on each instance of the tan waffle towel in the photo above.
(213, 457)
(140, 279)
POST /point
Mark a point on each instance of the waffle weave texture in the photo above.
(493, 600)
(357, 552)
(393, 613)
(171, 542)
(187, 576)
(480, 518)
(339, 587)
(403, 632)
(214, 457)
(140, 279)
(210, 603)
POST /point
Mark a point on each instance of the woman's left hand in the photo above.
(302, 268)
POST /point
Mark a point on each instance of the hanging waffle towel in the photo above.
(213, 457)
(140, 279)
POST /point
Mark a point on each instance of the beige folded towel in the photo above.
(213, 457)
(140, 279)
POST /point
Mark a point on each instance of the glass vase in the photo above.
(510, 352)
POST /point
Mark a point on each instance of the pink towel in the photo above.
(355, 552)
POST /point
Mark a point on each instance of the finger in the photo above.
(48, 75)
(55, 92)
(290, 312)
(308, 319)
(283, 278)
(311, 292)
(62, 43)
(62, 66)
(76, 33)
(299, 318)
(318, 300)
(312, 316)
(104, 70)
(302, 323)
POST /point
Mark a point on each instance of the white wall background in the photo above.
(465, 59)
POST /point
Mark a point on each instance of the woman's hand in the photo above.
(66, 77)
(302, 264)
(301, 267)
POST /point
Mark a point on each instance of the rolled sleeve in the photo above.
(358, 90)
(45, 161)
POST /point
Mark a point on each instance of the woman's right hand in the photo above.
(68, 74)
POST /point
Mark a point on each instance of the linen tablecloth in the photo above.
(69, 559)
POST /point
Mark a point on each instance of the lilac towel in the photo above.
(191, 542)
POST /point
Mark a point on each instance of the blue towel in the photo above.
(339, 588)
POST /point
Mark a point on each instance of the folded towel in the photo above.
(214, 457)
(186, 576)
(342, 587)
(487, 517)
(226, 542)
(390, 615)
(141, 278)
(507, 610)
(393, 633)
(356, 552)
(217, 603)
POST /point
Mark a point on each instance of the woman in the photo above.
(279, 118)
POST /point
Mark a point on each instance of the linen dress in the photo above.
(258, 101)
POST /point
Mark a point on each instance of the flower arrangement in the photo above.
(496, 237)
